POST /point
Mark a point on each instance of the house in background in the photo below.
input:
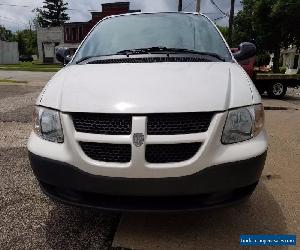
(9, 52)
(48, 39)
(291, 59)
(75, 32)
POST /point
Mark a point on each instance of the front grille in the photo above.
(170, 153)
(181, 123)
(106, 124)
(120, 153)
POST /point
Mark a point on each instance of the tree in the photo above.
(271, 23)
(6, 35)
(52, 14)
(27, 42)
(243, 30)
(224, 31)
(276, 22)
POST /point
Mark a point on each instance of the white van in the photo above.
(152, 113)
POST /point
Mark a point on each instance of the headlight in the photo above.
(47, 124)
(243, 124)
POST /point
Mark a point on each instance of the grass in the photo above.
(11, 81)
(31, 66)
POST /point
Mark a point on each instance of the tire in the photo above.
(276, 90)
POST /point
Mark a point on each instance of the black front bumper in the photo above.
(212, 187)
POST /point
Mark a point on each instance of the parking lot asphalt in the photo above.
(29, 220)
(274, 207)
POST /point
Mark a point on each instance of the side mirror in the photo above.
(63, 55)
(246, 50)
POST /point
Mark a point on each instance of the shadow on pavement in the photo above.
(216, 229)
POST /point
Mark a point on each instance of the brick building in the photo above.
(75, 32)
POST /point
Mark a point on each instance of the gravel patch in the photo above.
(14, 134)
(29, 220)
(13, 90)
(29, 76)
(24, 114)
(13, 103)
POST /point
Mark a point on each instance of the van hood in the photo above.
(149, 88)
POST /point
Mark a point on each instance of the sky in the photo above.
(17, 17)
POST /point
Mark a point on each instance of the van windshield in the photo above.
(168, 30)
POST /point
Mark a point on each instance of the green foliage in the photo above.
(224, 31)
(282, 70)
(52, 14)
(272, 24)
(6, 35)
(243, 25)
(27, 40)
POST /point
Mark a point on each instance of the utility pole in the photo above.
(198, 4)
(231, 17)
(180, 5)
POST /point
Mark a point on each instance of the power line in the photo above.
(15, 5)
(218, 8)
(219, 18)
(32, 7)
(210, 13)
(10, 21)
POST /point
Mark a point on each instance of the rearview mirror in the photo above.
(63, 55)
(246, 50)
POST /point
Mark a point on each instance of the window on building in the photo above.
(67, 34)
(80, 33)
(74, 34)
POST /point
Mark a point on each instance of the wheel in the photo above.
(276, 90)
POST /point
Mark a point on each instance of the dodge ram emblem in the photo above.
(138, 139)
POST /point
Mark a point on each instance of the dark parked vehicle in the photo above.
(25, 58)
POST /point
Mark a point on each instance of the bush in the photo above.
(282, 70)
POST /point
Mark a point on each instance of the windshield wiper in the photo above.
(167, 50)
(141, 51)
(178, 50)
(84, 58)
(157, 50)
